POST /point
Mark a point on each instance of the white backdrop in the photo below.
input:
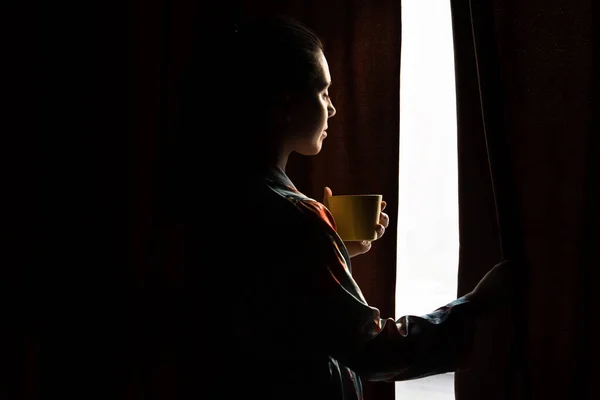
(428, 199)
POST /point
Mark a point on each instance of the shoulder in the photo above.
(309, 210)
(278, 208)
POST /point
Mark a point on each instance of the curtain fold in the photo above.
(527, 106)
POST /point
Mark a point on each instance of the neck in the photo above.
(268, 152)
(277, 156)
(264, 160)
(282, 160)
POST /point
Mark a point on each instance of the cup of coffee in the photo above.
(356, 215)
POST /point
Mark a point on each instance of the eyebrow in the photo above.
(325, 84)
(321, 83)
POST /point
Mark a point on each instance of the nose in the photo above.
(331, 109)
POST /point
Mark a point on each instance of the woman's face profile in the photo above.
(310, 110)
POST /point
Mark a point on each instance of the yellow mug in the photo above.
(356, 215)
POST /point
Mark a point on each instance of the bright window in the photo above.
(428, 196)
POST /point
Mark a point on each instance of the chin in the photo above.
(318, 146)
(312, 151)
(311, 148)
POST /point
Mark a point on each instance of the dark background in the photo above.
(94, 272)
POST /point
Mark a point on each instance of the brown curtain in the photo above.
(95, 288)
(527, 92)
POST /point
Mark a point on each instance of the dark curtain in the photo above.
(97, 257)
(65, 274)
(527, 91)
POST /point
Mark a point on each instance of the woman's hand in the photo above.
(356, 248)
(497, 287)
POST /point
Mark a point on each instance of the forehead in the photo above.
(323, 67)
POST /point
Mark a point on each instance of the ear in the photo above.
(282, 100)
(281, 108)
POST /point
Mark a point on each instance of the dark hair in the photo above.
(274, 53)
(227, 85)
(270, 55)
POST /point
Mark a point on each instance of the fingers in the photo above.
(357, 248)
(365, 246)
(326, 194)
(384, 219)
(380, 230)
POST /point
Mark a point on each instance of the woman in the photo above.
(287, 319)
